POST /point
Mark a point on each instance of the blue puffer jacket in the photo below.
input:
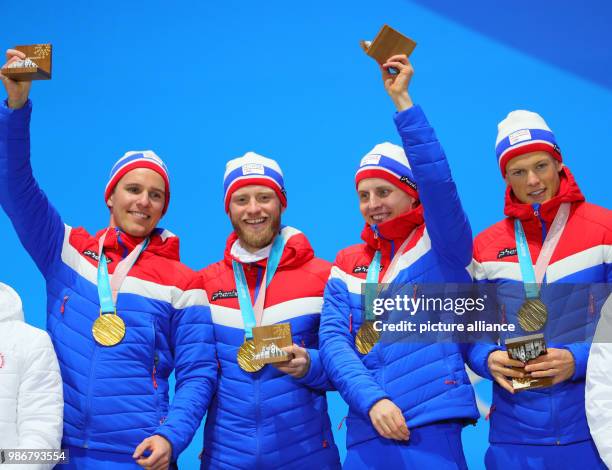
(114, 396)
(553, 415)
(268, 419)
(427, 381)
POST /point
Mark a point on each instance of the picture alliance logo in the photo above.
(411, 305)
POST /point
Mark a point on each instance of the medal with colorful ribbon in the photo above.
(367, 335)
(533, 313)
(109, 328)
(252, 315)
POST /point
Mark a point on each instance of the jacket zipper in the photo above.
(89, 389)
(257, 423)
(536, 212)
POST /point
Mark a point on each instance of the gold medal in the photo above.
(246, 357)
(108, 329)
(532, 315)
(367, 337)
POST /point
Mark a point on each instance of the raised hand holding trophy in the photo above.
(388, 42)
(35, 66)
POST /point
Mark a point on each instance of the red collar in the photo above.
(297, 251)
(394, 231)
(118, 241)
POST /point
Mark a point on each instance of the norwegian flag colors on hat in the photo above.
(523, 132)
(253, 169)
(138, 159)
(388, 161)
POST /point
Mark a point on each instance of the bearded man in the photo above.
(265, 416)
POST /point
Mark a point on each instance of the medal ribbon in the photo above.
(374, 269)
(109, 289)
(252, 315)
(532, 278)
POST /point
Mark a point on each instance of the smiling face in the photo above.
(137, 202)
(380, 200)
(533, 177)
(255, 213)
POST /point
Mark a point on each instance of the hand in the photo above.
(556, 363)
(161, 453)
(18, 92)
(397, 85)
(298, 366)
(389, 421)
(500, 366)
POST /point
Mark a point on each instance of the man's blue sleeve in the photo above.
(193, 346)
(37, 223)
(316, 377)
(580, 351)
(446, 222)
(477, 357)
(344, 368)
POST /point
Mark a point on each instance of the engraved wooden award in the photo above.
(36, 65)
(388, 42)
(269, 341)
(526, 348)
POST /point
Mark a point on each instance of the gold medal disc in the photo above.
(246, 357)
(367, 337)
(532, 315)
(108, 329)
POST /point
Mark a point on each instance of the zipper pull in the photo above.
(375, 230)
(63, 306)
(153, 376)
(536, 210)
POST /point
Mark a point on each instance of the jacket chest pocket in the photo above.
(60, 310)
(145, 336)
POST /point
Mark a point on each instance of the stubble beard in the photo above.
(257, 241)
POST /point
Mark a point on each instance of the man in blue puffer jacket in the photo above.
(407, 401)
(273, 416)
(115, 367)
(543, 427)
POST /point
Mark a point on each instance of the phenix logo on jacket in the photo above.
(552, 415)
(30, 382)
(114, 396)
(269, 419)
(427, 381)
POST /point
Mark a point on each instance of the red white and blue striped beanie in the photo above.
(253, 169)
(389, 162)
(138, 159)
(523, 132)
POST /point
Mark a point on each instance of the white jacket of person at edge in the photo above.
(31, 399)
